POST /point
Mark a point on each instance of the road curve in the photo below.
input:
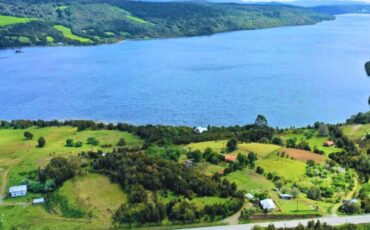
(360, 219)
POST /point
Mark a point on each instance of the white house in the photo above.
(200, 129)
(20, 190)
(267, 204)
(38, 200)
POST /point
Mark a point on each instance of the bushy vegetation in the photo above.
(93, 22)
(367, 68)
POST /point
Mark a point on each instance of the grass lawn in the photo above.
(67, 32)
(262, 150)
(94, 193)
(10, 20)
(22, 156)
(285, 167)
(250, 181)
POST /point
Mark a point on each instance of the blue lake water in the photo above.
(292, 75)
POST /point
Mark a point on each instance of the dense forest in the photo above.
(104, 21)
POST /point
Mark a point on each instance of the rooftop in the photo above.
(268, 204)
(19, 188)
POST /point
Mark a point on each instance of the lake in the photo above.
(293, 75)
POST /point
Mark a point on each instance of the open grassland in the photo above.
(262, 150)
(209, 169)
(357, 133)
(35, 217)
(21, 156)
(67, 32)
(250, 181)
(314, 141)
(282, 166)
(303, 155)
(95, 194)
(10, 20)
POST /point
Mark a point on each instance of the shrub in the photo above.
(28, 135)
(41, 142)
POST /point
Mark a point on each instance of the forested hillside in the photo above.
(37, 22)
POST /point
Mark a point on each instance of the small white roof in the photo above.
(200, 129)
(19, 188)
(267, 204)
(249, 196)
(38, 200)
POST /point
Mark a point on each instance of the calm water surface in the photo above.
(293, 75)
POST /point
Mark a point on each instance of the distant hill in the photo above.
(342, 9)
(45, 22)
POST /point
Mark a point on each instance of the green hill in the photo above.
(107, 21)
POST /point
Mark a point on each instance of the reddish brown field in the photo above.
(303, 155)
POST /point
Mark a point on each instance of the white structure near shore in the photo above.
(200, 129)
(20, 190)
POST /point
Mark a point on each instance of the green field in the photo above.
(314, 141)
(20, 156)
(262, 150)
(250, 181)
(284, 167)
(67, 32)
(96, 194)
(10, 20)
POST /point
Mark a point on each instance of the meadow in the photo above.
(67, 32)
(11, 20)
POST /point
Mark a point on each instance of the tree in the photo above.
(367, 68)
(121, 142)
(70, 142)
(232, 145)
(259, 170)
(314, 193)
(261, 120)
(41, 142)
(277, 140)
(323, 130)
(28, 135)
(92, 141)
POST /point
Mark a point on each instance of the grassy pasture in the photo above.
(10, 20)
(285, 167)
(94, 193)
(356, 132)
(67, 32)
(22, 156)
(314, 141)
(263, 150)
(250, 181)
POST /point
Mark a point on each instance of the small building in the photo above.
(230, 158)
(285, 196)
(328, 143)
(20, 190)
(200, 129)
(249, 196)
(349, 202)
(38, 201)
(188, 163)
(267, 205)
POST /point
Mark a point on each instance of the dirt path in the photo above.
(234, 219)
